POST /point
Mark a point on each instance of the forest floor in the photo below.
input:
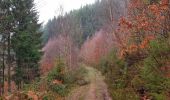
(95, 90)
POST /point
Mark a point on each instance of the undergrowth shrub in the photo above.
(74, 76)
(61, 89)
(116, 74)
(144, 77)
(155, 81)
(58, 71)
(58, 81)
(124, 94)
(158, 96)
(50, 96)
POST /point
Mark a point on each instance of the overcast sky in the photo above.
(49, 8)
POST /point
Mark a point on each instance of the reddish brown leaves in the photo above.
(57, 82)
(97, 47)
(143, 24)
(32, 95)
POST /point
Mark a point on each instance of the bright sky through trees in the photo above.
(49, 8)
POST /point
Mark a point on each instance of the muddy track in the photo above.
(95, 90)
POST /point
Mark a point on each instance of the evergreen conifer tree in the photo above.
(26, 41)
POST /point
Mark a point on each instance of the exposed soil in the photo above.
(95, 90)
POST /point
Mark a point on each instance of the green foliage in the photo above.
(119, 83)
(137, 82)
(61, 89)
(58, 72)
(111, 62)
(36, 85)
(145, 74)
(49, 96)
(68, 81)
(1, 98)
(156, 96)
(25, 40)
(80, 76)
(150, 1)
(152, 76)
(76, 77)
(122, 94)
(158, 47)
(115, 71)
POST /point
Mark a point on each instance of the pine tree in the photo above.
(6, 28)
(26, 41)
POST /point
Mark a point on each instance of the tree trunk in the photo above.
(3, 66)
(9, 62)
(110, 11)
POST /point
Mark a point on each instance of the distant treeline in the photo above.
(83, 23)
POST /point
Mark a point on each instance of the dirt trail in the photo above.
(95, 90)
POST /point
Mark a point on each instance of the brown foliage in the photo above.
(96, 47)
(32, 95)
(143, 24)
(57, 82)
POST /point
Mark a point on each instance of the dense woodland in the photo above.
(20, 42)
(128, 41)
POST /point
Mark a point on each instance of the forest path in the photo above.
(95, 90)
